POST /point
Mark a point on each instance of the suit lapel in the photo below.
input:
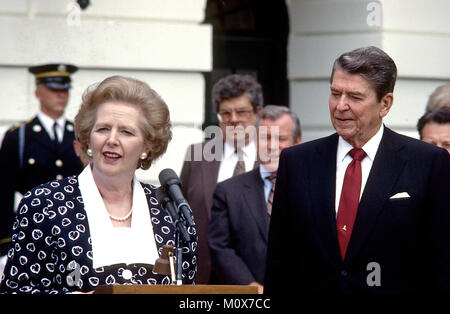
(209, 173)
(322, 194)
(387, 166)
(255, 200)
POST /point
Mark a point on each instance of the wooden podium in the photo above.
(174, 289)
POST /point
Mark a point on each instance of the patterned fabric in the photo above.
(32, 159)
(240, 165)
(271, 178)
(51, 247)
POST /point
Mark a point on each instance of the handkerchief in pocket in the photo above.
(400, 195)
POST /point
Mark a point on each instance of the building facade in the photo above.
(169, 45)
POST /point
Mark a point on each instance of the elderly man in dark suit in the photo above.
(365, 210)
(41, 149)
(240, 214)
(238, 99)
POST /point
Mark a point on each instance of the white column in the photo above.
(160, 42)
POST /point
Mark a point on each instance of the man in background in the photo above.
(237, 100)
(240, 215)
(434, 127)
(41, 149)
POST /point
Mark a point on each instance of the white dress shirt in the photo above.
(343, 159)
(48, 122)
(230, 159)
(112, 245)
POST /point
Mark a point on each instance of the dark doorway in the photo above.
(249, 37)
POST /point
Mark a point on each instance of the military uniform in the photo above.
(29, 156)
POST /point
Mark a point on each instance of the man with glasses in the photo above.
(41, 149)
(242, 205)
(238, 100)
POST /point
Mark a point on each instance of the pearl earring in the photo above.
(89, 152)
(143, 155)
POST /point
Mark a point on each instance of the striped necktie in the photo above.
(272, 178)
(240, 165)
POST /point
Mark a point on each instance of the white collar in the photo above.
(370, 147)
(48, 122)
(117, 245)
(264, 172)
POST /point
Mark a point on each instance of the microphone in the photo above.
(164, 200)
(172, 186)
(167, 203)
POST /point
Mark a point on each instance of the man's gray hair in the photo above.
(371, 63)
(273, 113)
(439, 97)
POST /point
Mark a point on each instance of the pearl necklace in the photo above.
(121, 219)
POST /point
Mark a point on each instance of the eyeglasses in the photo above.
(243, 114)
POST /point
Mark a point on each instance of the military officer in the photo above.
(41, 149)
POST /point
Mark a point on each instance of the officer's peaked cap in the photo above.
(55, 76)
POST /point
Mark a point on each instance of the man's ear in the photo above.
(299, 140)
(386, 104)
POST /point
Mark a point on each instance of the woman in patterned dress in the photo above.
(102, 227)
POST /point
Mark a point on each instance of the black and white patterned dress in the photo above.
(51, 246)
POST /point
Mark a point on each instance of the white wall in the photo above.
(160, 42)
(415, 33)
(165, 44)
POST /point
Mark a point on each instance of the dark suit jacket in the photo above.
(199, 179)
(409, 238)
(42, 161)
(239, 229)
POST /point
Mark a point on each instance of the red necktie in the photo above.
(348, 204)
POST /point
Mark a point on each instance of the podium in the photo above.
(174, 289)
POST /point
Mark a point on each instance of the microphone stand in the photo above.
(178, 258)
(181, 235)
